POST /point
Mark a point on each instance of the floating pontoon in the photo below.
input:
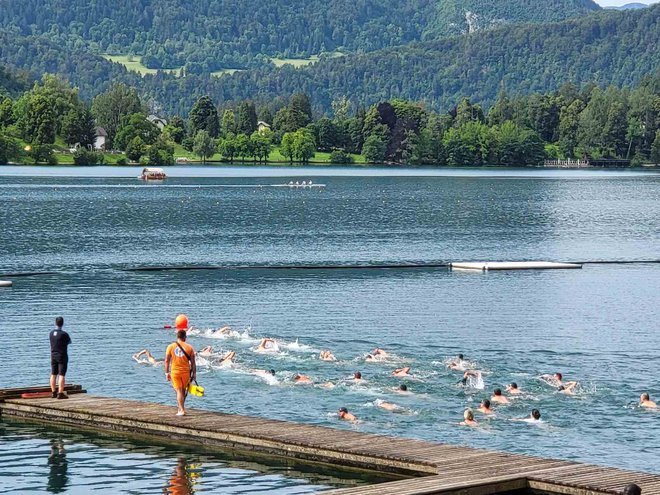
(484, 266)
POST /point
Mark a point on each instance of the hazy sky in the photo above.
(606, 3)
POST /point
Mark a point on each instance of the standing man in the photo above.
(59, 358)
(180, 368)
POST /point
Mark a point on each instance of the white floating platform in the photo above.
(6, 283)
(484, 266)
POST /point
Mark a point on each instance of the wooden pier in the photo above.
(430, 468)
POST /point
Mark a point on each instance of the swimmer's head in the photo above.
(497, 392)
(513, 385)
(631, 489)
(536, 414)
(59, 322)
(468, 415)
(558, 376)
(181, 335)
(644, 396)
(272, 372)
(485, 404)
(403, 387)
(460, 356)
(342, 411)
(357, 375)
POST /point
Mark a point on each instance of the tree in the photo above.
(471, 145)
(243, 146)
(328, 134)
(112, 107)
(262, 144)
(304, 145)
(83, 156)
(301, 106)
(655, 148)
(9, 149)
(246, 118)
(374, 149)
(176, 129)
(204, 117)
(341, 107)
(287, 148)
(6, 111)
(228, 147)
(161, 152)
(78, 126)
(341, 157)
(516, 146)
(204, 146)
(228, 122)
(569, 124)
(467, 112)
(135, 149)
(136, 125)
(37, 120)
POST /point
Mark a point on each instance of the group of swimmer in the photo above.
(208, 355)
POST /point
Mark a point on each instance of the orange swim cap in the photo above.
(181, 322)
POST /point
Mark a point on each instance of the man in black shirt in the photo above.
(59, 358)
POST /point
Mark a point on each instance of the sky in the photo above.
(608, 3)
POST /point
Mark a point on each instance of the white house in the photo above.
(159, 122)
(100, 138)
(263, 126)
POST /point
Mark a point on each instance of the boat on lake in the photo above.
(152, 174)
(301, 185)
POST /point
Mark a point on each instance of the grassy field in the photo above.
(134, 64)
(302, 62)
(222, 72)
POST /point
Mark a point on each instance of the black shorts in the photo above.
(58, 366)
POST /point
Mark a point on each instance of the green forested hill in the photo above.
(209, 35)
(607, 47)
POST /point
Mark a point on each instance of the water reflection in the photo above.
(183, 479)
(58, 467)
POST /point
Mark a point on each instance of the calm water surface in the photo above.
(598, 325)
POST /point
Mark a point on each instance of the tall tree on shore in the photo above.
(246, 118)
(204, 146)
(111, 107)
(204, 117)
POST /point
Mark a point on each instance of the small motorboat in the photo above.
(153, 174)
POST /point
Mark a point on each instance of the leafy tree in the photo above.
(246, 118)
(83, 156)
(112, 107)
(466, 112)
(204, 146)
(136, 149)
(228, 122)
(374, 149)
(136, 125)
(301, 106)
(78, 126)
(328, 134)
(341, 157)
(161, 152)
(243, 146)
(42, 153)
(341, 108)
(265, 115)
(9, 149)
(569, 125)
(287, 146)
(261, 144)
(36, 118)
(176, 129)
(655, 148)
(468, 145)
(228, 147)
(6, 111)
(204, 117)
(516, 146)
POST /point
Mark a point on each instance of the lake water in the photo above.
(598, 325)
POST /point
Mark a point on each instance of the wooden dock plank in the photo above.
(453, 469)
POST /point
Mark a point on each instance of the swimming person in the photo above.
(205, 351)
(345, 415)
(149, 358)
(468, 418)
(457, 364)
(645, 401)
(498, 397)
(400, 372)
(180, 368)
(485, 408)
(554, 379)
(513, 389)
(534, 417)
(302, 380)
(268, 345)
(402, 389)
(631, 489)
(357, 377)
(567, 388)
(227, 359)
(327, 356)
(59, 358)
(472, 378)
(386, 405)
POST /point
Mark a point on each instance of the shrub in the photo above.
(83, 156)
(340, 156)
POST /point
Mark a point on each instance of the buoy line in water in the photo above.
(380, 266)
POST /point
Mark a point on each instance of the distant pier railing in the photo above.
(587, 163)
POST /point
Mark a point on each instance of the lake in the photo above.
(598, 325)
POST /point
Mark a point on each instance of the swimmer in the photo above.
(402, 389)
(555, 379)
(567, 388)
(327, 385)
(645, 401)
(263, 373)
(357, 377)
(302, 380)
(345, 415)
(380, 353)
(457, 364)
(327, 356)
(498, 397)
(470, 374)
(468, 418)
(149, 358)
(534, 417)
(267, 345)
(401, 372)
(484, 407)
(227, 359)
(386, 405)
(206, 351)
(513, 389)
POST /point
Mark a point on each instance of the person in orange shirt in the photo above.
(180, 368)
